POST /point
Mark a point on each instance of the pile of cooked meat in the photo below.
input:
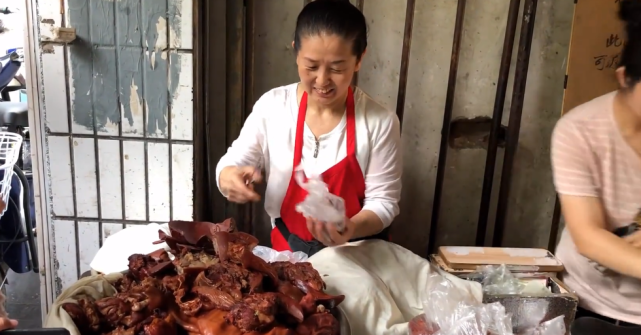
(213, 285)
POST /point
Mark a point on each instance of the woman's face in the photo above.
(326, 66)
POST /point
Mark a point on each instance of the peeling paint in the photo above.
(128, 17)
(101, 20)
(131, 87)
(48, 49)
(161, 29)
(80, 63)
(175, 21)
(105, 90)
(81, 81)
(128, 72)
(134, 102)
(174, 73)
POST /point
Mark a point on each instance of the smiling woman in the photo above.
(330, 128)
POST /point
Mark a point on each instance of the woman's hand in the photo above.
(237, 183)
(328, 233)
(634, 239)
(6, 323)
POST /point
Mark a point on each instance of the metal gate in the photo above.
(112, 114)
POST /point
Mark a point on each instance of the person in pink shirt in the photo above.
(596, 160)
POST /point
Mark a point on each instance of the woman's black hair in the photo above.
(630, 14)
(335, 17)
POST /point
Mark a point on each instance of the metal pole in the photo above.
(516, 111)
(497, 116)
(405, 59)
(445, 129)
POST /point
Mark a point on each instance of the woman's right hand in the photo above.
(6, 323)
(236, 183)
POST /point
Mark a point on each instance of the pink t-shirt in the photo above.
(590, 158)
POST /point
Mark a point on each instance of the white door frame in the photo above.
(38, 155)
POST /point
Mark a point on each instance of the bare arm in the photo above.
(585, 220)
(366, 223)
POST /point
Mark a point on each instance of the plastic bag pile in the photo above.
(450, 311)
(498, 279)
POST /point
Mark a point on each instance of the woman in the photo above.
(329, 127)
(596, 158)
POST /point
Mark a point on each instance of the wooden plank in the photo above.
(202, 203)
(134, 174)
(110, 179)
(215, 86)
(84, 158)
(180, 24)
(158, 181)
(64, 255)
(182, 182)
(55, 90)
(182, 100)
(595, 52)
(471, 257)
(60, 174)
(88, 244)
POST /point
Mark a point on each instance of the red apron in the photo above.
(345, 179)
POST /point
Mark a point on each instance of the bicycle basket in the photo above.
(9, 153)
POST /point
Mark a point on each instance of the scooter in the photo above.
(17, 238)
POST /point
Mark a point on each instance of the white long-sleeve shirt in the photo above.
(267, 139)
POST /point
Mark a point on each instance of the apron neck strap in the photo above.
(300, 126)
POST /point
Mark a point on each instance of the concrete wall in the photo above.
(532, 193)
(115, 111)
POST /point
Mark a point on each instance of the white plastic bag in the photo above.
(498, 279)
(270, 255)
(555, 326)
(319, 204)
(450, 311)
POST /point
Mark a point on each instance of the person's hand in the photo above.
(6, 323)
(634, 239)
(237, 183)
(328, 233)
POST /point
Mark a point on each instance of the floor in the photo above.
(23, 299)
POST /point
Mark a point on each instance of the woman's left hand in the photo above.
(328, 233)
(634, 239)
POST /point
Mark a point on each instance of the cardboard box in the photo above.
(526, 264)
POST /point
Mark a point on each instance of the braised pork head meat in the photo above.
(213, 285)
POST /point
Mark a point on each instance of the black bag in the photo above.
(314, 246)
(296, 243)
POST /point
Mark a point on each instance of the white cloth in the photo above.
(267, 140)
(96, 287)
(384, 284)
(114, 254)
